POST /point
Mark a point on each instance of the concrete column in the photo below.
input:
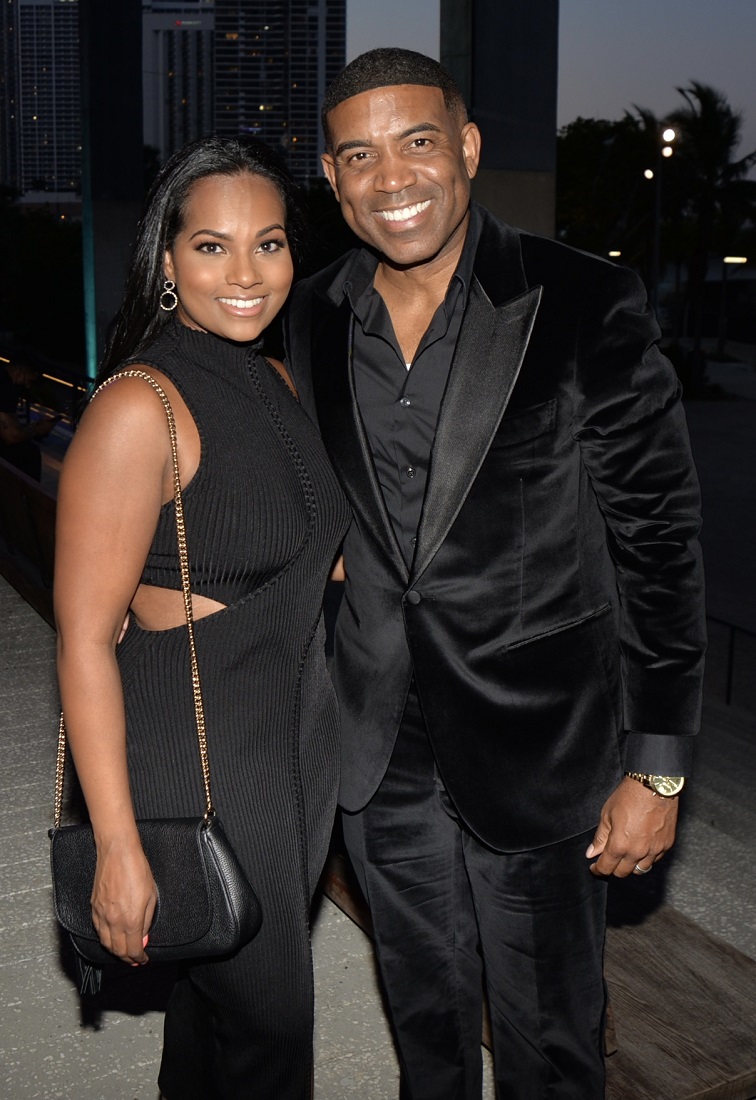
(112, 156)
(504, 56)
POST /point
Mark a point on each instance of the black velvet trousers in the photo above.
(451, 914)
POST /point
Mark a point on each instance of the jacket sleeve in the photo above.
(633, 439)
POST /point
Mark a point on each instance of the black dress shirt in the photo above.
(399, 402)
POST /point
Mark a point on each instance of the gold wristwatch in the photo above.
(665, 785)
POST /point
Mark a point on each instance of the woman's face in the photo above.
(231, 261)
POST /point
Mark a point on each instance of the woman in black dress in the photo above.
(264, 516)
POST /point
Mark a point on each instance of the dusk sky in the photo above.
(613, 53)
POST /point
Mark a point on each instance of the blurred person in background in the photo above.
(18, 441)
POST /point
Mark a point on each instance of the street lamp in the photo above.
(664, 150)
(722, 338)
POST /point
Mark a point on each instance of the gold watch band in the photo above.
(667, 786)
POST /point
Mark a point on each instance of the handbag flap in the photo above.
(174, 851)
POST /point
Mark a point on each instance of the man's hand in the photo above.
(636, 828)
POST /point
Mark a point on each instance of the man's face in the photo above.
(401, 168)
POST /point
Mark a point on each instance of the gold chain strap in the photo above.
(199, 709)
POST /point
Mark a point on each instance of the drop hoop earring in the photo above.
(169, 292)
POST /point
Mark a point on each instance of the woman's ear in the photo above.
(168, 267)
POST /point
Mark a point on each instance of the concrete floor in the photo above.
(50, 1050)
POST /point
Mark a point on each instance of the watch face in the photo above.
(667, 784)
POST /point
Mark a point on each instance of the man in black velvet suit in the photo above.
(520, 644)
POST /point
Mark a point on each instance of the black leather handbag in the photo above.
(206, 907)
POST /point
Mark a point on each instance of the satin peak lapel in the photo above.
(342, 428)
(487, 361)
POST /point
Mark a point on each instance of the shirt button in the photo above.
(405, 401)
(414, 597)
(410, 471)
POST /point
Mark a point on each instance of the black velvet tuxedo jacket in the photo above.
(553, 616)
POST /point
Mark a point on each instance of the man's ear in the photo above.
(471, 148)
(329, 167)
(168, 267)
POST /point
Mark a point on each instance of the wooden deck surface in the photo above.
(683, 1005)
(684, 1002)
(684, 1011)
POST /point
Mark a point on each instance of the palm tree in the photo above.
(602, 197)
(719, 198)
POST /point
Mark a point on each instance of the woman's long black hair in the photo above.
(140, 318)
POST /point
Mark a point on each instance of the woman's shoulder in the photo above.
(129, 401)
(121, 436)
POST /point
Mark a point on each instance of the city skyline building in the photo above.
(257, 67)
(273, 62)
(40, 138)
(177, 72)
(9, 130)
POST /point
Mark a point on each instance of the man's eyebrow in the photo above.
(227, 237)
(418, 128)
(347, 145)
(421, 127)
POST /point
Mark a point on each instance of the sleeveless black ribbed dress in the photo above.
(264, 518)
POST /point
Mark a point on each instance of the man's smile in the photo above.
(404, 213)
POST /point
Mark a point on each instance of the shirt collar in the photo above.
(358, 272)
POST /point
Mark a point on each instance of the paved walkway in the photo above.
(50, 1050)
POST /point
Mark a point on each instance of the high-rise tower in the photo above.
(273, 61)
(504, 56)
(41, 129)
(9, 128)
(177, 71)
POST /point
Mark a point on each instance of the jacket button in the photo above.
(414, 597)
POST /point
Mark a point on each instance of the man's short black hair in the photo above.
(385, 67)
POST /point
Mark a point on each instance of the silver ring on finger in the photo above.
(638, 870)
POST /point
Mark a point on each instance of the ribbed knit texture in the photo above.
(264, 517)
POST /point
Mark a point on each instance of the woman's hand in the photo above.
(124, 897)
